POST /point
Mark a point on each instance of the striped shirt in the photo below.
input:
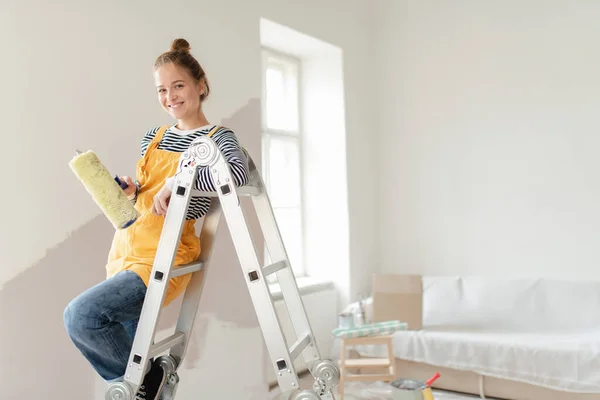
(176, 140)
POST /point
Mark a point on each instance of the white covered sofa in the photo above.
(520, 339)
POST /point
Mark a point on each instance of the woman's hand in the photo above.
(131, 187)
(161, 201)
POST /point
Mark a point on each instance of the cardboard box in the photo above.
(398, 297)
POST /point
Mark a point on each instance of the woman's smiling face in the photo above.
(178, 93)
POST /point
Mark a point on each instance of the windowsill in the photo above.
(306, 284)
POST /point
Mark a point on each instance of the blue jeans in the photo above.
(102, 322)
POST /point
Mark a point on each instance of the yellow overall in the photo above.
(134, 248)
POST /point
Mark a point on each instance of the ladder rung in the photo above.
(187, 269)
(241, 191)
(270, 269)
(299, 346)
(166, 344)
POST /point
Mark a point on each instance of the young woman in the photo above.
(102, 321)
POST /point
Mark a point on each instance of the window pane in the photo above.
(290, 226)
(284, 171)
(275, 98)
(291, 100)
(282, 96)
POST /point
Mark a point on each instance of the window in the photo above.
(282, 151)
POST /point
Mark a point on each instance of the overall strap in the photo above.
(214, 130)
(157, 138)
(153, 145)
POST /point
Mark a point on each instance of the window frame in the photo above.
(296, 136)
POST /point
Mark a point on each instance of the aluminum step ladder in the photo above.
(170, 352)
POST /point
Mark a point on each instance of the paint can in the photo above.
(408, 389)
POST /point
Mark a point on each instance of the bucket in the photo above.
(408, 389)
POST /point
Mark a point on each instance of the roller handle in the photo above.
(121, 183)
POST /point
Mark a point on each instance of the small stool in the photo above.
(366, 363)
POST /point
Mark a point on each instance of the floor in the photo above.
(371, 391)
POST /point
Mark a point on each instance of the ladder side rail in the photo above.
(260, 294)
(185, 182)
(194, 290)
(285, 277)
(326, 373)
(156, 291)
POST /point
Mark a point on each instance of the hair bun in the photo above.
(180, 45)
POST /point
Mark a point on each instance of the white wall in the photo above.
(79, 75)
(488, 113)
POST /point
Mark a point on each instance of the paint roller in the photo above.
(106, 190)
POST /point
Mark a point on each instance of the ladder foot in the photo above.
(327, 376)
(305, 395)
(298, 394)
(119, 391)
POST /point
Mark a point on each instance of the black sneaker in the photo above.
(153, 383)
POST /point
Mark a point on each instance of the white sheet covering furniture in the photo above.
(545, 333)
